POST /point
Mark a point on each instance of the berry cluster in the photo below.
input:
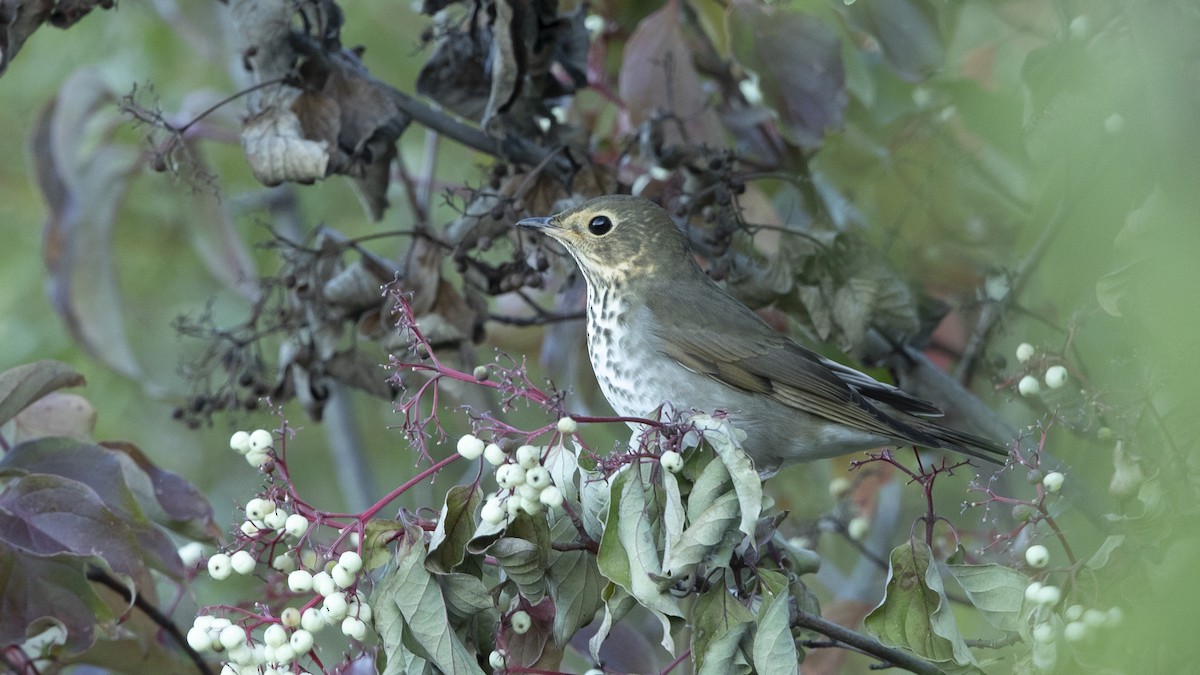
(525, 484)
(1055, 376)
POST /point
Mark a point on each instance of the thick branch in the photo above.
(896, 657)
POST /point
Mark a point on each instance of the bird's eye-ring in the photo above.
(600, 225)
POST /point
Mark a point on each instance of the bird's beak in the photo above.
(537, 223)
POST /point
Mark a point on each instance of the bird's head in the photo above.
(618, 238)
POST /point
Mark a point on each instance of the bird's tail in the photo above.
(967, 444)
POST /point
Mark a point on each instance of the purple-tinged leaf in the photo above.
(798, 60)
(657, 75)
(83, 188)
(907, 33)
(25, 384)
(41, 591)
(47, 516)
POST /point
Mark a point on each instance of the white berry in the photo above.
(497, 658)
(671, 461)
(261, 440)
(300, 581)
(1032, 590)
(1053, 481)
(510, 475)
(249, 528)
(1028, 386)
(342, 577)
(470, 447)
(521, 623)
(284, 654)
(537, 477)
(242, 562)
(1025, 352)
(531, 506)
(492, 511)
(290, 617)
(191, 553)
(295, 526)
(1037, 556)
(529, 456)
(284, 562)
(240, 442)
(1049, 596)
(219, 566)
(566, 425)
(1073, 613)
(257, 458)
(198, 639)
(257, 509)
(275, 635)
(494, 455)
(323, 584)
(857, 527)
(232, 636)
(1094, 618)
(276, 520)
(312, 620)
(551, 496)
(335, 606)
(301, 641)
(1044, 632)
(839, 486)
(354, 628)
(351, 560)
(1075, 631)
(1056, 376)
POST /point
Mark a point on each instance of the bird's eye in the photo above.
(600, 226)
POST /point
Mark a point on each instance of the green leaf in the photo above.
(575, 585)
(466, 595)
(25, 384)
(563, 465)
(915, 613)
(746, 482)
(774, 648)
(629, 549)
(617, 604)
(593, 502)
(707, 535)
(377, 537)
(1100, 558)
(447, 544)
(412, 618)
(798, 60)
(524, 562)
(996, 591)
(719, 623)
(907, 33)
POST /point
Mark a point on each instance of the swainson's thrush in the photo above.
(660, 331)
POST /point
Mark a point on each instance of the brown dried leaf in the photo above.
(277, 150)
(19, 18)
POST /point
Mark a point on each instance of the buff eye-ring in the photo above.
(600, 225)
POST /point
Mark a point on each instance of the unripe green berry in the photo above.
(1053, 481)
(290, 617)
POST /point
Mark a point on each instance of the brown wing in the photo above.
(737, 348)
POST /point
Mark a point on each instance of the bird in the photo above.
(661, 332)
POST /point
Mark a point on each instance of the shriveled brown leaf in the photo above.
(20, 18)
